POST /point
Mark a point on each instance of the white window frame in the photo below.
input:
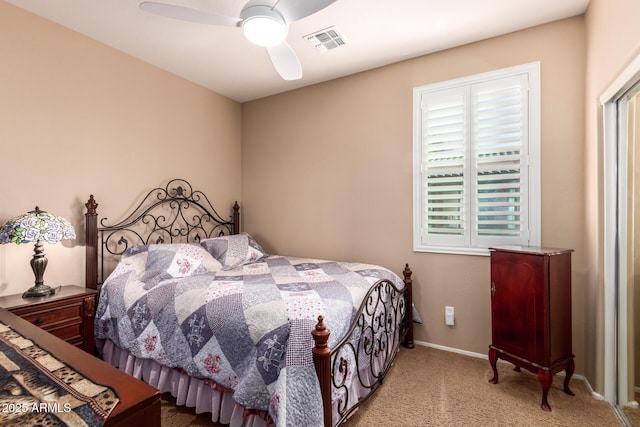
(472, 243)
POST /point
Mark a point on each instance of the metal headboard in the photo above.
(173, 214)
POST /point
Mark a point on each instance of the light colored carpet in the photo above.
(429, 387)
(633, 414)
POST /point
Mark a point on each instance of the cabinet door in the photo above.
(517, 304)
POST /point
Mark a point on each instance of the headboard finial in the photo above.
(236, 218)
(91, 206)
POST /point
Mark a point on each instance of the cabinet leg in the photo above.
(571, 366)
(546, 378)
(493, 358)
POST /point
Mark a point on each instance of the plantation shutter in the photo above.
(444, 135)
(500, 144)
(473, 144)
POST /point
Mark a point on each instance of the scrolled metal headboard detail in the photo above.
(174, 214)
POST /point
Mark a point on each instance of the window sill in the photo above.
(452, 250)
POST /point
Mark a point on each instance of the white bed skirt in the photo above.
(196, 392)
(188, 391)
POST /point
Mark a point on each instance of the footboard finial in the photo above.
(408, 282)
(407, 273)
(322, 362)
(320, 337)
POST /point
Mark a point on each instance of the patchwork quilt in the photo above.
(227, 311)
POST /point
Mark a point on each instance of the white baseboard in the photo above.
(595, 395)
(453, 350)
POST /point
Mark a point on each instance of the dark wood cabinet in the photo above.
(531, 312)
(68, 314)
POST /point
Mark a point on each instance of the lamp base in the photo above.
(41, 290)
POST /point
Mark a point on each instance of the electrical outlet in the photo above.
(448, 316)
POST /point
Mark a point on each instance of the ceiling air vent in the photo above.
(326, 39)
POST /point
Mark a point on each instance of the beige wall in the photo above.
(613, 40)
(78, 117)
(327, 172)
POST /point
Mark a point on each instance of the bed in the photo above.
(195, 307)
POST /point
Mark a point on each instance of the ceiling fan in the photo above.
(263, 22)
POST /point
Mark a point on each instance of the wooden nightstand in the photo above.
(68, 314)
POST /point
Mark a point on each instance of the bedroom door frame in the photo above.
(615, 234)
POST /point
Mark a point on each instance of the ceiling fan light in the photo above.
(263, 26)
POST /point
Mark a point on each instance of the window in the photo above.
(476, 151)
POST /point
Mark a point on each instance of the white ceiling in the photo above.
(378, 32)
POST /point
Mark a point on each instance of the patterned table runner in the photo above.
(36, 389)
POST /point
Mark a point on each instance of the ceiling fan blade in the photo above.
(285, 61)
(292, 10)
(188, 14)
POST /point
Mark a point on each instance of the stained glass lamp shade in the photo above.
(37, 226)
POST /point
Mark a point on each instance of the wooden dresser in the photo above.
(68, 314)
(531, 312)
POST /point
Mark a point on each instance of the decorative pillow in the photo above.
(235, 250)
(166, 261)
(133, 260)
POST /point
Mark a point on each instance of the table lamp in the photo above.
(37, 226)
